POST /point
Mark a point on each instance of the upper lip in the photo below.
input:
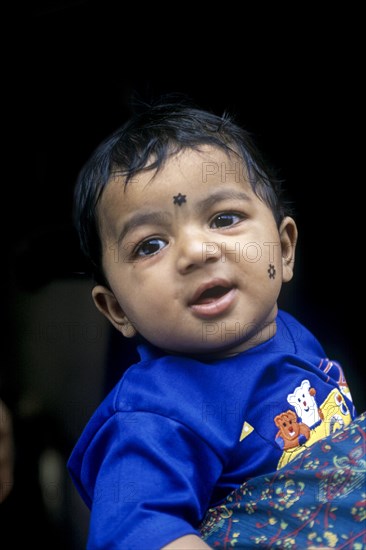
(217, 282)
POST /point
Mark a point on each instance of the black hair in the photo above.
(145, 142)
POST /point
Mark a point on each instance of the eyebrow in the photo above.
(146, 218)
(143, 218)
(221, 195)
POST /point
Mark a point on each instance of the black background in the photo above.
(292, 77)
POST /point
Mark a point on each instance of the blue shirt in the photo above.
(177, 434)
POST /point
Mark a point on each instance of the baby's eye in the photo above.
(150, 247)
(225, 220)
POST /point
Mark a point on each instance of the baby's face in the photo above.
(193, 256)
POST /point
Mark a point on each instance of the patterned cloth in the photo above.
(318, 500)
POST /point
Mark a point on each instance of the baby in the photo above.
(190, 242)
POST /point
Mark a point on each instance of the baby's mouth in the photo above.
(213, 299)
(212, 294)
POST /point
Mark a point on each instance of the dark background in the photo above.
(293, 78)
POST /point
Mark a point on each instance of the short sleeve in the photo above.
(149, 479)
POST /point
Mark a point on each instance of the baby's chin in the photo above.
(217, 349)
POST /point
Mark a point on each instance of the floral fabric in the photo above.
(318, 500)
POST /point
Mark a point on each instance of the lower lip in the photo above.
(216, 307)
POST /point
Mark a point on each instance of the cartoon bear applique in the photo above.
(290, 433)
(299, 429)
(303, 401)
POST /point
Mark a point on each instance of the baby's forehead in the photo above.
(207, 165)
(208, 160)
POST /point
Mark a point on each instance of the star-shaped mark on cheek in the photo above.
(271, 271)
(179, 199)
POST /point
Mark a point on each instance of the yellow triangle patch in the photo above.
(247, 429)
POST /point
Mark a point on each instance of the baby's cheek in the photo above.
(272, 252)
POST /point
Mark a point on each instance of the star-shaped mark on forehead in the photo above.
(179, 199)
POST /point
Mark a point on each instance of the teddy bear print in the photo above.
(303, 401)
(290, 433)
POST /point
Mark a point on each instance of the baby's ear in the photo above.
(107, 303)
(288, 237)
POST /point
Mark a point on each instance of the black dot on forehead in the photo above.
(179, 199)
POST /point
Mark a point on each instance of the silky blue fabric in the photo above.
(177, 434)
